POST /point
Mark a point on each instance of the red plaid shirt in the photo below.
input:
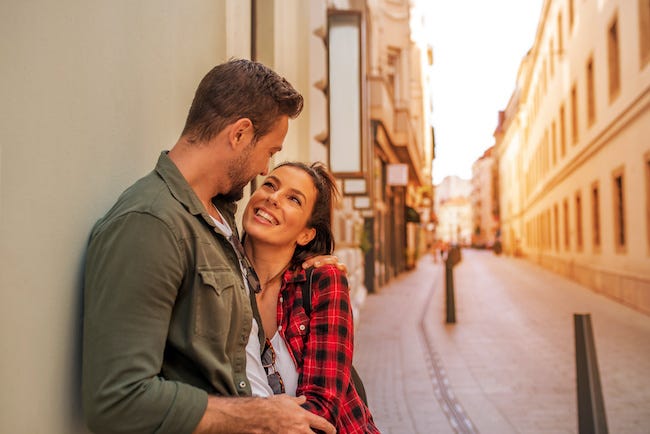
(322, 346)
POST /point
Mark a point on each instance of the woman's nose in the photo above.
(273, 198)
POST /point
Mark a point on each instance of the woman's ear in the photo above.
(306, 236)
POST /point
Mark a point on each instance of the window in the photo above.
(551, 57)
(574, 115)
(578, 221)
(562, 132)
(595, 215)
(567, 240)
(560, 39)
(619, 209)
(392, 72)
(613, 60)
(556, 227)
(644, 32)
(591, 98)
(345, 92)
(647, 197)
(554, 142)
(547, 229)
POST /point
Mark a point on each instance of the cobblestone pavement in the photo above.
(508, 363)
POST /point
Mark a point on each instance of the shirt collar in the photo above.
(183, 193)
(295, 276)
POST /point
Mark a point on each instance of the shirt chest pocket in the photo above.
(297, 333)
(216, 297)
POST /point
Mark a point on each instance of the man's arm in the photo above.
(275, 415)
(133, 272)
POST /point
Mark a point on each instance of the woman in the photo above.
(287, 220)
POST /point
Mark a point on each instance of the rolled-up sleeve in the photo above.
(134, 267)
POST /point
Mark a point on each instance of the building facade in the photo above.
(97, 91)
(376, 132)
(453, 208)
(484, 201)
(573, 148)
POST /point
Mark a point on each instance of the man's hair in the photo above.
(327, 193)
(238, 89)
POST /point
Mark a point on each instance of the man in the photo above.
(167, 313)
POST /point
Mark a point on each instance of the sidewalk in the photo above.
(508, 364)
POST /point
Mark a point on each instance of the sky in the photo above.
(478, 46)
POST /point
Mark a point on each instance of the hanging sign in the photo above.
(397, 174)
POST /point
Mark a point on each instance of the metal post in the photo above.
(591, 407)
(449, 285)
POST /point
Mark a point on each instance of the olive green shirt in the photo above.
(167, 315)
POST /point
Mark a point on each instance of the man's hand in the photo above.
(277, 414)
(293, 418)
(317, 261)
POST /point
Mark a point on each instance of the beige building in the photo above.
(95, 90)
(455, 221)
(573, 148)
(400, 138)
(484, 200)
(453, 208)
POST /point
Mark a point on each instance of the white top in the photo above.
(254, 369)
(284, 364)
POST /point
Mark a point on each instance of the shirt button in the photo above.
(242, 384)
(280, 328)
(281, 299)
(302, 327)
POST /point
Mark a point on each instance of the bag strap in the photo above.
(306, 292)
(306, 304)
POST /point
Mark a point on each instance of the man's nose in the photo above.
(266, 169)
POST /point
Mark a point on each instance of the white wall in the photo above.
(92, 91)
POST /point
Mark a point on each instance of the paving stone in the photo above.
(508, 364)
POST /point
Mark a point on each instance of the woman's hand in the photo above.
(320, 260)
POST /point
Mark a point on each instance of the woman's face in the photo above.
(278, 212)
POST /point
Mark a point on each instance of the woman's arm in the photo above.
(325, 373)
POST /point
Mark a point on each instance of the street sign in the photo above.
(397, 174)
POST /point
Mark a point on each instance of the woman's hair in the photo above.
(239, 89)
(327, 193)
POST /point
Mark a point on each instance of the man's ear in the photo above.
(306, 236)
(241, 132)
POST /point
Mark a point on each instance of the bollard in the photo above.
(591, 407)
(449, 293)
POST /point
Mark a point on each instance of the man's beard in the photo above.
(235, 193)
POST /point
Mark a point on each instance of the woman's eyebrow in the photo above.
(298, 192)
(274, 178)
(292, 190)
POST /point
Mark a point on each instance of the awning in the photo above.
(412, 216)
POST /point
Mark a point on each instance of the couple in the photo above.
(177, 322)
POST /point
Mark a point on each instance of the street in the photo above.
(508, 363)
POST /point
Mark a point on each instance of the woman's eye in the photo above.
(295, 199)
(269, 184)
